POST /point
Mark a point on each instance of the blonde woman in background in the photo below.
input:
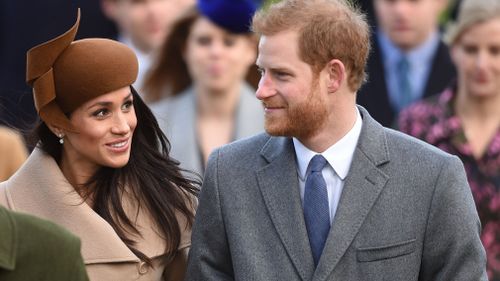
(465, 119)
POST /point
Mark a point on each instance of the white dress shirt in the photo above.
(339, 157)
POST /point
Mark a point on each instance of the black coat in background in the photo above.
(374, 95)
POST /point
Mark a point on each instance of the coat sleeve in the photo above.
(452, 246)
(209, 257)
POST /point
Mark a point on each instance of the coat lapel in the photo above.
(41, 189)
(363, 185)
(278, 183)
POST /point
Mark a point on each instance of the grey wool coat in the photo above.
(177, 119)
(406, 213)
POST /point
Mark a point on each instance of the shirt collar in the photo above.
(339, 155)
(420, 55)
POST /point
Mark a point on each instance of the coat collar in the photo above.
(8, 240)
(40, 188)
(279, 186)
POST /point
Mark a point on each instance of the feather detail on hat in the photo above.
(39, 74)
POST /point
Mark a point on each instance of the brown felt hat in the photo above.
(65, 74)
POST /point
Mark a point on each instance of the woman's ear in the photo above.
(336, 75)
(59, 132)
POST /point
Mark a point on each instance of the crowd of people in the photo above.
(259, 140)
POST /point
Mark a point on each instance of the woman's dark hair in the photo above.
(152, 178)
(170, 72)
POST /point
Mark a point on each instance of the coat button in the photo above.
(143, 268)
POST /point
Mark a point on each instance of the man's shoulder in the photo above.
(400, 143)
(253, 143)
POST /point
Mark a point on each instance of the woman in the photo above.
(202, 70)
(465, 119)
(101, 167)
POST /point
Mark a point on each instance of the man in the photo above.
(143, 25)
(35, 249)
(409, 61)
(374, 204)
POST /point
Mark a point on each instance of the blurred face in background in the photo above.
(408, 23)
(105, 127)
(146, 22)
(217, 60)
(476, 54)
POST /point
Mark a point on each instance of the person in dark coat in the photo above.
(408, 61)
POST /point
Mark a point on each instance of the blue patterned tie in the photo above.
(316, 210)
(405, 91)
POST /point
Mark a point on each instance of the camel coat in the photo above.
(40, 188)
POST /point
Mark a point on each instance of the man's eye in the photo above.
(281, 75)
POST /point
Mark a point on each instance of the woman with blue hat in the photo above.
(202, 100)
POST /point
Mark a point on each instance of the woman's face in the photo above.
(105, 127)
(477, 57)
(217, 60)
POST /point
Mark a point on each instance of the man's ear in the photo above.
(336, 74)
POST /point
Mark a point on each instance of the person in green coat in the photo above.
(36, 249)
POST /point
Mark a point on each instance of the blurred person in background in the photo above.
(409, 61)
(143, 26)
(13, 152)
(202, 99)
(101, 167)
(465, 118)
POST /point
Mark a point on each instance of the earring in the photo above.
(61, 138)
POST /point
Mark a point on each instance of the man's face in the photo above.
(295, 103)
(146, 22)
(408, 23)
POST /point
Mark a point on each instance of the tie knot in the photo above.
(317, 163)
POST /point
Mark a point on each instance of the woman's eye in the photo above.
(127, 105)
(100, 113)
(204, 40)
(228, 42)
